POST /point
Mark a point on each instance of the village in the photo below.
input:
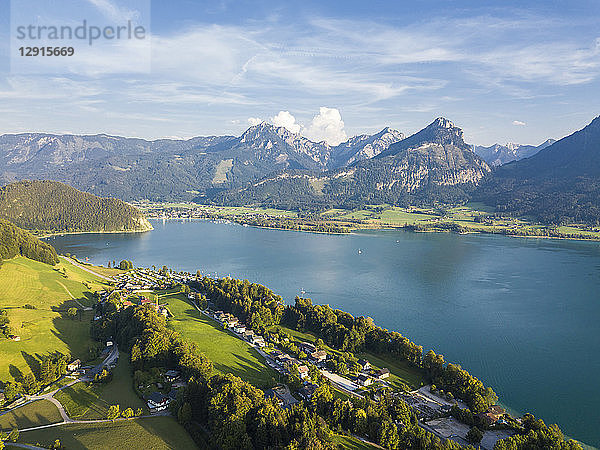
(139, 286)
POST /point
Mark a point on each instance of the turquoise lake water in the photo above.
(520, 314)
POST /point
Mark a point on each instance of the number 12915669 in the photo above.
(46, 51)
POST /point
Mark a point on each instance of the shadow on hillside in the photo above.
(30, 416)
(74, 332)
(33, 362)
(15, 372)
(249, 371)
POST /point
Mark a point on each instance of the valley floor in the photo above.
(470, 218)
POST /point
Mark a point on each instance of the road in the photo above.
(49, 396)
(85, 308)
(343, 384)
(82, 267)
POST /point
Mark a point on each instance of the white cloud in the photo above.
(518, 123)
(327, 126)
(114, 12)
(286, 120)
(253, 121)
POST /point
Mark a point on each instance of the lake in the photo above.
(522, 314)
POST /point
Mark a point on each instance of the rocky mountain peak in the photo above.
(442, 122)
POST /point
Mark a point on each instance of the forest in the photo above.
(14, 241)
(51, 206)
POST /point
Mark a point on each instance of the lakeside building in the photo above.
(303, 371)
(239, 328)
(307, 347)
(282, 395)
(307, 391)
(172, 375)
(319, 355)
(364, 380)
(382, 374)
(74, 365)
(364, 364)
(157, 402)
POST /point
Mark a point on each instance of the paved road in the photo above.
(81, 266)
(57, 424)
(14, 444)
(49, 396)
(343, 384)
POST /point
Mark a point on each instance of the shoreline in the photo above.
(387, 228)
(67, 233)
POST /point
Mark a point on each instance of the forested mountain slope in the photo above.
(14, 241)
(56, 207)
(561, 183)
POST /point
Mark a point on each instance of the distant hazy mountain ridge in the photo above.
(555, 181)
(166, 169)
(497, 154)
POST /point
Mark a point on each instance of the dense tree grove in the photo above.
(15, 241)
(4, 322)
(237, 415)
(453, 378)
(535, 434)
(253, 303)
(54, 206)
(341, 330)
(52, 367)
(259, 307)
(125, 265)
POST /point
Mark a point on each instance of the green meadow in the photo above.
(154, 433)
(86, 401)
(227, 353)
(40, 412)
(51, 291)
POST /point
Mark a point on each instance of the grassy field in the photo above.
(401, 372)
(387, 216)
(45, 328)
(227, 353)
(41, 412)
(152, 433)
(106, 271)
(85, 401)
(351, 443)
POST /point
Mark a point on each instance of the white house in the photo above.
(157, 402)
(74, 365)
(364, 380)
(239, 328)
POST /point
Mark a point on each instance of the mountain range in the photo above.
(166, 169)
(498, 154)
(432, 165)
(556, 181)
(560, 183)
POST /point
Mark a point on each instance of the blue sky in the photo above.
(503, 71)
